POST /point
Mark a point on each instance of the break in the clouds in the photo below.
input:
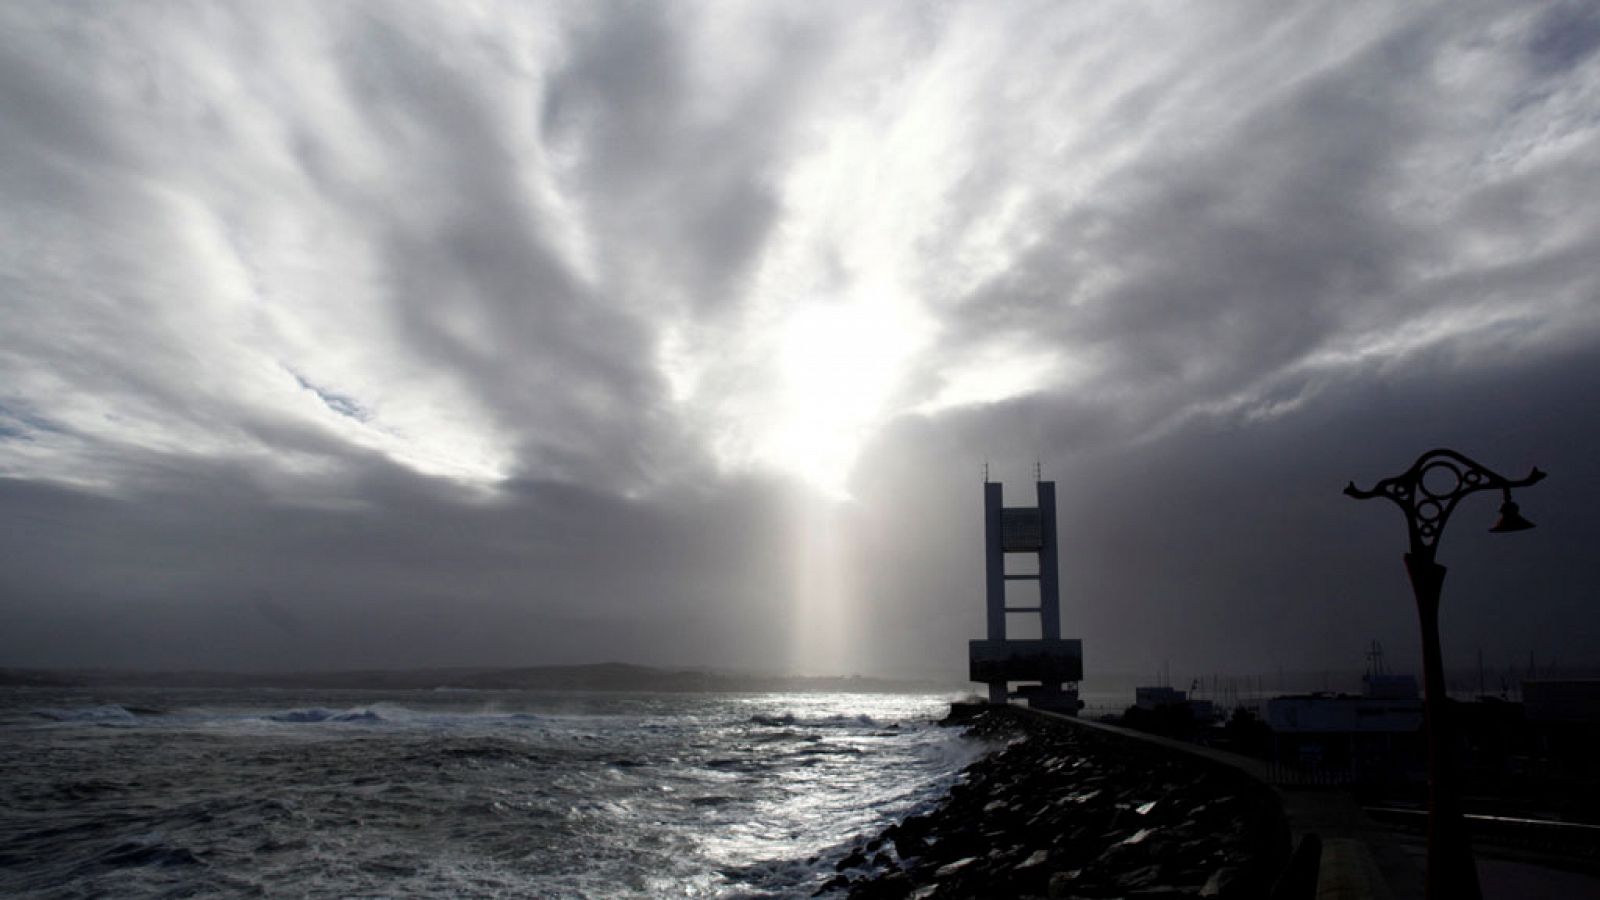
(372, 334)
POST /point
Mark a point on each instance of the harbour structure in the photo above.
(1151, 699)
(1048, 667)
(1573, 701)
(1372, 737)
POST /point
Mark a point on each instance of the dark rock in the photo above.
(1062, 884)
(836, 883)
(1106, 815)
(912, 827)
(1038, 858)
(855, 860)
(1144, 876)
(909, 848)
(907, 837)
(894, 886)
(1224, 882)
(949, 869)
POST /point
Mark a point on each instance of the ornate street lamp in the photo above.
(1427, 493)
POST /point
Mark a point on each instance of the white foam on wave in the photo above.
(790, 720)
(392, 714)
(634, 796)
(323, 714)
(107, 713)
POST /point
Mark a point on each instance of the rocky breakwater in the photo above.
(1063, 810)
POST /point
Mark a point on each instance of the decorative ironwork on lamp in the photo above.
(1428, 493)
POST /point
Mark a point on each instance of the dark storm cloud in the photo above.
(1566, 35)
(215, 573)
(676, 153)
(1228, 546)
(537, 345)
(1273, 303)
(1219, 257)
(384, 336)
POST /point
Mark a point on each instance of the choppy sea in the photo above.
(446, 793)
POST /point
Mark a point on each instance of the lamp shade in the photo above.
(1510, 519)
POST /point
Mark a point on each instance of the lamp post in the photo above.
(1427, 493)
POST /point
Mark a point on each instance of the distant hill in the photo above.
(593, 677)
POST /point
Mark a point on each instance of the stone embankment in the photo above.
(1059, 810)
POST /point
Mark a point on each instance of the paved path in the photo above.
(1363, 858)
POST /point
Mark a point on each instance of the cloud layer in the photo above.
(366, 335)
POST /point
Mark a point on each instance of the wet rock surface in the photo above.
(1059, 810)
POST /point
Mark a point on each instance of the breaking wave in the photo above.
(444, 794)
(790, 720)
(321, 714)
(107, 713)
(391, 714)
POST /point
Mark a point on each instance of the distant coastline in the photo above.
(1106, 692)
(592, 677)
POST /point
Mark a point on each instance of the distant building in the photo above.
(1153, 698)
(1375, 736)
(1343, 713)
(1574, 702)
(1390, 687)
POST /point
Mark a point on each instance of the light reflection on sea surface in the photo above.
(454, 793)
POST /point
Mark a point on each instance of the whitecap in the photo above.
(323, 714)
(107, 713)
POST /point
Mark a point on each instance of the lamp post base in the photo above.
(1452, 871)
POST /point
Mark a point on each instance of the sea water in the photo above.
(446, 793)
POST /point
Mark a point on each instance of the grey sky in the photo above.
(351, 335)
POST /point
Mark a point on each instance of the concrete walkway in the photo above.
(1361, 859)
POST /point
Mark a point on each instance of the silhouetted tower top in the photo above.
(998, 659)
